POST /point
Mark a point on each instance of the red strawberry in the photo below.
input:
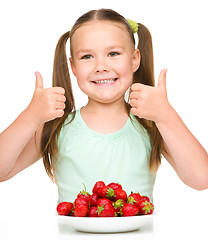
(64, 208)
(103, 201)
(81, 201)
(145, 198)
(118, 205)
(84, 194)
(98, 185)
(120, 194)
(80, 210)
(106, 211)
(114, 186)
(134, 198)
(92, 212)
(145, 207)
(93, 199)
(106, 192)
(129, 210)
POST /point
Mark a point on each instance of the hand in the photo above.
(150, 102)
(46, 104)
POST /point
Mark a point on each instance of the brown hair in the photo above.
(61, 77)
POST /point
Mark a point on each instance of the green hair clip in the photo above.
(133, 25)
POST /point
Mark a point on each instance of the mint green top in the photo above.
(86, 156)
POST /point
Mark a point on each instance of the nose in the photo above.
(101, 66)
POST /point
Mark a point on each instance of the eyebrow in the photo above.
(84, 51)
(108, 49)
(115, 46)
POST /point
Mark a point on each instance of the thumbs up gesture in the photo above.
(46, 104)
(150, 102)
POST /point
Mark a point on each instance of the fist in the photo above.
(150, 102)
(46, 104)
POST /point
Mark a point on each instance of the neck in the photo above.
(106, 108)
(105, 118)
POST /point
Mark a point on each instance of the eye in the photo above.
(113, 54)
(87, 56)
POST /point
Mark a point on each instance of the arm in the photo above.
(19, 143)
(185, 154)
(19, 146)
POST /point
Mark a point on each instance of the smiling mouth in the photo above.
(104, 81)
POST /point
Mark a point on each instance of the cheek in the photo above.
(126, 72)
(83, 74)
(83, 78)
(125, 66)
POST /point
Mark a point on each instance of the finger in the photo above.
(60, 98)
(59, 90)
(60, 106)
(59, 113)
(133, 103)
(39, 80)
(134, 111)
(134, 95)
(162, 79)
(137, 86)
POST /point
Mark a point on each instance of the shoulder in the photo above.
(137, 125)
(68, 124)
(69, 118)
(139, 129)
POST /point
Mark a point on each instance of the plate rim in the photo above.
(130, 223)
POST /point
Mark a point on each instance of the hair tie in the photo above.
(133, 25)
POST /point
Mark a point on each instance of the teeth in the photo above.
(106, 81)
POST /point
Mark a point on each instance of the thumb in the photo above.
(39, 80)
(162, 79)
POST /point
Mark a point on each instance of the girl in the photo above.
(111, 138)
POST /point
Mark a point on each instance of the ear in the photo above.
(72, 66)
(136, 60)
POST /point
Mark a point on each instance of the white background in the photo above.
(29, 31)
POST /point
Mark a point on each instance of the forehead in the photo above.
(100, 32)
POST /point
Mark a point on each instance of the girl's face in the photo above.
(103, 60)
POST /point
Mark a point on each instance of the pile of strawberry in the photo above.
(106, 201)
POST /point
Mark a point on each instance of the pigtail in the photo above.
(51, 129)
(145, 75)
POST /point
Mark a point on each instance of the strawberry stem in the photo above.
(110, 193)
(84, 187)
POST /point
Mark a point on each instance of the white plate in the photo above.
(106, 224)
